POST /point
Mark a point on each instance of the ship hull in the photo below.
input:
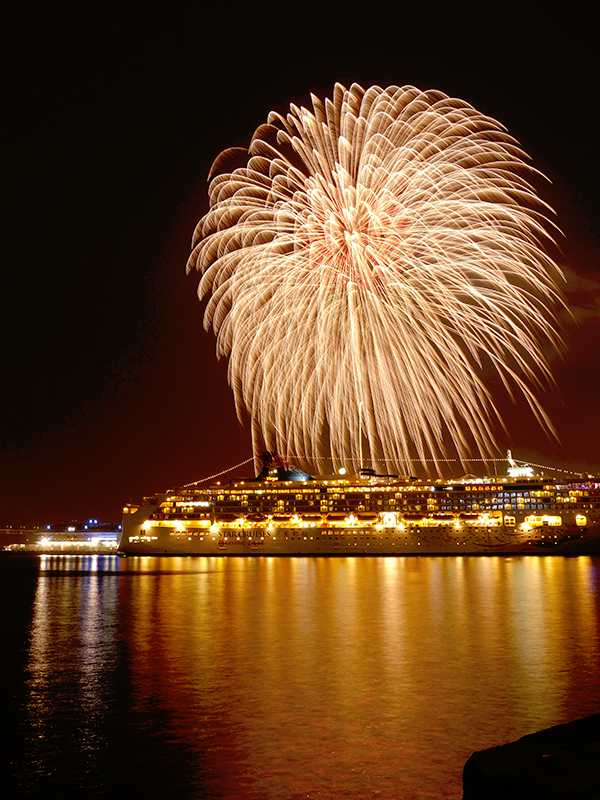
(291, 542)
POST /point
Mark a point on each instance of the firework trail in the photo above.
(365, 262)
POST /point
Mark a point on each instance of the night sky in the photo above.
(111, 387)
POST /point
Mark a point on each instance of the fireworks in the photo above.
(366, 262)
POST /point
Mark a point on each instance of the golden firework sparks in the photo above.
(369, 256)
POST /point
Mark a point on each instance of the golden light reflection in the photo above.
(334, 674)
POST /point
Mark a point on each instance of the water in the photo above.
(288, 677)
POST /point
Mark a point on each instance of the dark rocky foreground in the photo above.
(555, 764)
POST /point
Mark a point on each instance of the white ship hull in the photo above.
(291, 543)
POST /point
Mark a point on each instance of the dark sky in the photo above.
(111, 386)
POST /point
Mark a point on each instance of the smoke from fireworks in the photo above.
(365, 262)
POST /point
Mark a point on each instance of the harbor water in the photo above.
(341, 677)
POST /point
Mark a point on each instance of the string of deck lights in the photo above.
(216, 475)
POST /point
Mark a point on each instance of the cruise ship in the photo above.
(284, 511)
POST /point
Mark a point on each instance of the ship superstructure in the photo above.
(286, 512)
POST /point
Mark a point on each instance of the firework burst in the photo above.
(365, 262)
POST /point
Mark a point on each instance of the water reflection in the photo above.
(73, 650)
(295, 677)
